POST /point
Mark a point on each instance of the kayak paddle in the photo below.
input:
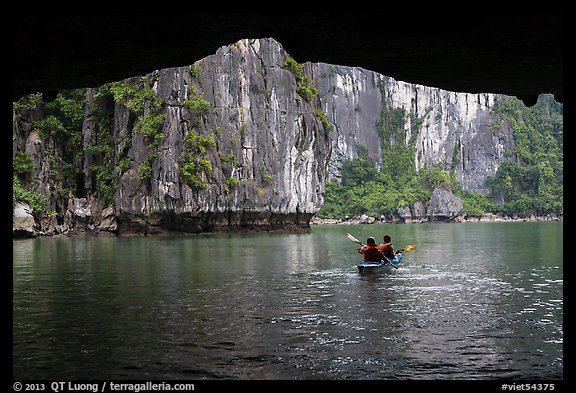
(390, 263)
(409, 247)
(349, 236)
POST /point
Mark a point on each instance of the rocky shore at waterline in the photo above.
(86, 217)
(105, 223)
(364, 219)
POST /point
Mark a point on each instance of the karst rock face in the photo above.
(452, 130)
(237, 147)
(240, 143)
(238, 114)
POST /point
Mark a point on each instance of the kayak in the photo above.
(379, 266)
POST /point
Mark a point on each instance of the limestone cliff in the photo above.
(259, 151)
(225, 143)
(450, 129)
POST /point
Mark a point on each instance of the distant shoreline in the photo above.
(426, 220)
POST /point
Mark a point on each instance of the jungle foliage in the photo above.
(530, 182)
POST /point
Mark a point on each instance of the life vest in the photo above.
(372, 254)
(386, 249)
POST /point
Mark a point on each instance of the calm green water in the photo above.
(473, 301)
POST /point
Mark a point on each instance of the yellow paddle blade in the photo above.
(409, 247)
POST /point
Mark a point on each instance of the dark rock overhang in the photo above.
(515, 54)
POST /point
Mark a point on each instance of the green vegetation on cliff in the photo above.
(365, 190)
(306, 88)
(22, 184)
(530, 182)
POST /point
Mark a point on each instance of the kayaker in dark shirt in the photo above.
(370, 251)
(387, 248)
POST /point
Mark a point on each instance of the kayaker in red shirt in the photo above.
(387, 248)
(370, 251)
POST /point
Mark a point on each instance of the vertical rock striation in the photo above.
(352, 101)
(266, 162)
(452, 130)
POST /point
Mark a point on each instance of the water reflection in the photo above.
(467, 304)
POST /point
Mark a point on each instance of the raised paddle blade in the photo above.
(349, 236)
